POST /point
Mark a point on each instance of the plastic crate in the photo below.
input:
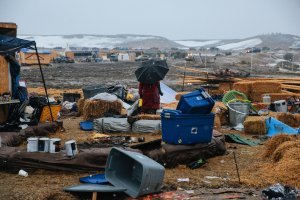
(197, 102)
(178, 128)
(91, 91)
(137, 173)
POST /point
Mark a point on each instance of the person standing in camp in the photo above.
(150, 95)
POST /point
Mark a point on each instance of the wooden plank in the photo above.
(4, 80)
(290, 87)
(8, 25)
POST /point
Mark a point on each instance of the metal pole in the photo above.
(251, 59)
(37, 54)
(183, 81)
(236, 166)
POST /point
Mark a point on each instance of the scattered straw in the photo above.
(272, 144)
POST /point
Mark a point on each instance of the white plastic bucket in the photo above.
(43, 144)
(54, 145)
(280, 106)
(32, 144)
(71, 148)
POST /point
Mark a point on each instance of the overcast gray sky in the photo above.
(173, 19)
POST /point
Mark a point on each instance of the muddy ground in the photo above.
(217, 179)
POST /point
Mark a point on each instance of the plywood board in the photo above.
(4, 76)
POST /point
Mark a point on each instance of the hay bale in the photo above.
(98, 108)
(171, 106)
(215, 92)
(148, 117)
(256, 96)
(266, 87)
(279, 96)
(225, 86)
(179, 94)
(272, 144)
(244, 87)
(80, 106)
(255, 125)
(288, 118)
(283, 148)
(217, 122)
(259, 106)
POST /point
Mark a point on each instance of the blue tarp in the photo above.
(86, 125)
(275, 127)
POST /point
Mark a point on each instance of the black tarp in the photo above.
(9, 45)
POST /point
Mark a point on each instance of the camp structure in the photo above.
(9, 46)
(29, 57)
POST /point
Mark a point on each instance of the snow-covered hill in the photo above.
(282, 41)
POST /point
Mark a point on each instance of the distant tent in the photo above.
(9, 45)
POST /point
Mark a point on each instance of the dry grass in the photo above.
(272, 144)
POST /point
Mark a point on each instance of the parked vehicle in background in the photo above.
(113, 58)
(142, 58)
(63, 59)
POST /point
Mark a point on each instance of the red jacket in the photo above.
(150, 95)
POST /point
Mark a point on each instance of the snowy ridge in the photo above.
(241, 45)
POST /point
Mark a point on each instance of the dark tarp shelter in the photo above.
(9, 45)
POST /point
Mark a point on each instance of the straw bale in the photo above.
(279, 96)
(256, 96)
(80, 106)
(272, 144)
(225, 86)
(288, 118)
(217, 122)
(148, 117)
(244, 87)
(54, 92)
(266, 87)
(215, 92)
(98, 108)
(172, 105)
(284, 148)
(255, 125)
(179, 94)
(221, 112)
(259, 106)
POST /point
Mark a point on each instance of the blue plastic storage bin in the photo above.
(197, 102)
(178, 128)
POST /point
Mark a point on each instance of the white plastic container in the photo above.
(32, 144)
(280, 106)
(71, 148)
(267, 99)
(54, 145)
(43, 144)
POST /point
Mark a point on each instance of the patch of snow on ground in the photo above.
(191, 43)
(241, 45)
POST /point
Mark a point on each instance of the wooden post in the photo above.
(94, 197)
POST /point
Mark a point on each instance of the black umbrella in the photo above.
(151, 71)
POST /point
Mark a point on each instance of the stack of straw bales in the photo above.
(255, 125)
(254, 90)
(93, 109)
